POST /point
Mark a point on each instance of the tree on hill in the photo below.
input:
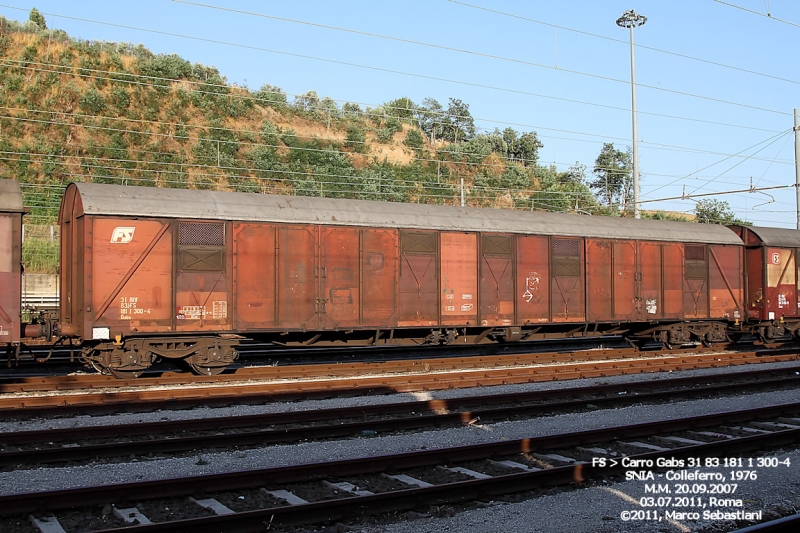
(401, 107)
(612, 170)
(430, 117)
(717, 212)
(523, 148)
(460, 125)
(37, 18)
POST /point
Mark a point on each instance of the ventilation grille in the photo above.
(695, 253)
(201, 234)
(417, 242)
(496, 245)
(566, 247)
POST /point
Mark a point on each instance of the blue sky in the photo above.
(715, 83)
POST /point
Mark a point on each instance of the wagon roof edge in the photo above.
(121, 200)
(11, 197)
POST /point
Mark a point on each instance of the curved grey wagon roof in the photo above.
(777, 236)
(10, 197)
(99, 199)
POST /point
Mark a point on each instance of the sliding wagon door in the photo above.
(202, 297)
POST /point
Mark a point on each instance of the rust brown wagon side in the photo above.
(772, 278)
(185, 274)
(11, 211)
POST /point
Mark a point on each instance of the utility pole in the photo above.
(797, 166)
(631, 19)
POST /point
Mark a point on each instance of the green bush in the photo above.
(270, 134)
(13, 82)
(414, 140)
(356, 138)
(28, 54)
(92, 102)
(384, 135)
(289, 138)
(120, 98)
(271, 96)
(181, 133)
(169, 66)
(394, 125)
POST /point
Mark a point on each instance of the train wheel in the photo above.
(212, 359)
(201, 370)
(120, 373)
(127, 362)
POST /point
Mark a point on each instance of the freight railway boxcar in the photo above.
(142, 265)
(772, 280)
(11, 211)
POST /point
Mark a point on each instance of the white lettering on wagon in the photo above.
(192, 312)
(3, 333)
(219, 310)
(129, 306)
(532, 291)
(122, 234)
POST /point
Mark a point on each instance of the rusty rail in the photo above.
(335, 379)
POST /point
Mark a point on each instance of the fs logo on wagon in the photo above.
(122, 235)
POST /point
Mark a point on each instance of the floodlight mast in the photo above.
(631, 19)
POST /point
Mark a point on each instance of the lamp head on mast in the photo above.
(631, 19)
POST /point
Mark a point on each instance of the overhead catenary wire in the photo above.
(194, 164)
(627, 43)
(121, 77)
(252, 132)
(771, 142)
(402, 73)
(265, 145)
(767, 15)
(737, 154)
(489, 56)
(408, 184)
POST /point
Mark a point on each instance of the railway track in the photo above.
(37, 395)
(236, 432)
(315, 492)
(253, 352)
(404, 360)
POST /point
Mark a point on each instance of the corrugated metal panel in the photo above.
(10, 197)
(777, 236)
(99, 199)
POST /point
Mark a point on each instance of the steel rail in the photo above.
(787, 524)
(434, 413)
(16, 405)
